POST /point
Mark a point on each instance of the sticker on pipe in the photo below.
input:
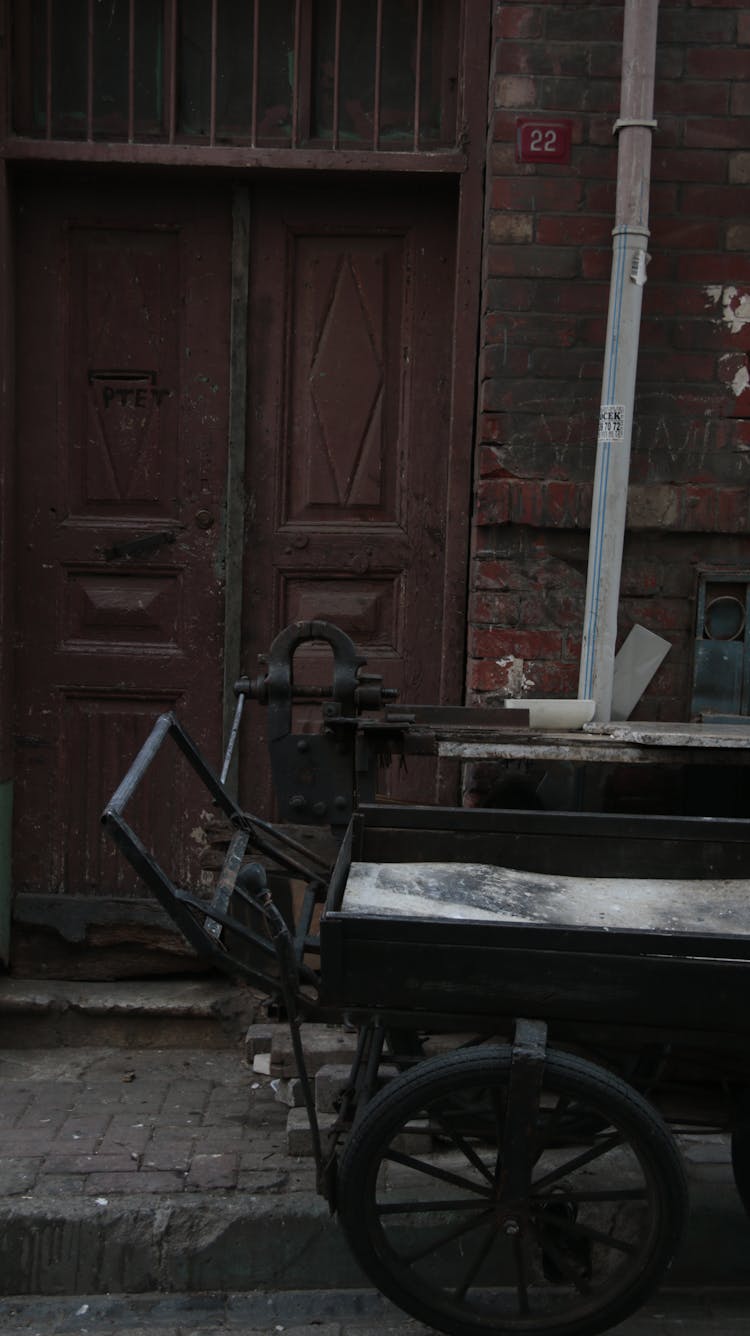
(611, 423)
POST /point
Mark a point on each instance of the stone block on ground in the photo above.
(258, 1040)
(298, 1134)
(332, 1080)
(321, 1044)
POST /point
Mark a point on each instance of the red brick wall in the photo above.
(546, 283)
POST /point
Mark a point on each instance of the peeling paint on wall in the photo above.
(740, 381)
(735, 306)
(516, 680)
(733, 369)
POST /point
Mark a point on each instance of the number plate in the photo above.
(543, 141)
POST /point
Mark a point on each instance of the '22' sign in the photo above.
(543, 141)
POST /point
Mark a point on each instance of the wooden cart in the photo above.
(585, 979)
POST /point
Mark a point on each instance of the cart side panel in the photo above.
(562, 843)
(389, 965)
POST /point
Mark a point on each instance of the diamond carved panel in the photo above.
(346, 387)
(345, 375)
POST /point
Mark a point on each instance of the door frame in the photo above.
(243, 170)
(7, 549)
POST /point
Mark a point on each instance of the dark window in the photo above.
(369, 73)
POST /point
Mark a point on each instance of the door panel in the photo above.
(123, 327)
(350, 353)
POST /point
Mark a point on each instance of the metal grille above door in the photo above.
(370, 74)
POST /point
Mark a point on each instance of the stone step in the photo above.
(171, 1013)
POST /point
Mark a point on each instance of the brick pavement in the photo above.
(140, 1170)
(144, 1171)
(323, 1313)
(111, 1121)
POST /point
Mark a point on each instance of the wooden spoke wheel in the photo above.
(472, 1230)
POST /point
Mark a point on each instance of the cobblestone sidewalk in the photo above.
(97, 1123)
(686, 1312)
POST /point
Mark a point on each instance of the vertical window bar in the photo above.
(90, 74)
(214, 58)
(378, 64)
(171, 50)
(336, 74)
(8, 93)
(296, 72)
(304, 79)
(256, 63)
(418, 72)
(131, 71)
(48, 73)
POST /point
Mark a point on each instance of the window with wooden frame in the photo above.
(366, 74)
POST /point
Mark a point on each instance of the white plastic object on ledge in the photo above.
(564, 715)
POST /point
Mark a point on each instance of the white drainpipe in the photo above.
(634, 128)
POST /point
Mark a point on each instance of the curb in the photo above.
(212, 1242)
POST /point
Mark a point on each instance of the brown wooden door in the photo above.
(123, 329)
(351, 298)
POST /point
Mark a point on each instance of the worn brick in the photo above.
(63, 1185)
(558, 194)
(533, 261)
(500, 642)
(213, 1169)
(493, 502)
(562, 59)
(18, 1175)
(490, 456)
(719, 62)
(737, 237)
(519, 21)
(739, 168)
(652, 507)
(550, 679)
(740, 99)
(86, 1164)
(713, 201)
(733, 510)
(688, 165)
(582, 229)
(696, 98)
(510, 294)
(687, 233)
(504, 676)
(25, 1141)
(495, 609)
(513, 90)
(511, 228)
(167, 1153)
(100, 1185)
(719, 132)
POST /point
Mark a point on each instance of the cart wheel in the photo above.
(424, 1203)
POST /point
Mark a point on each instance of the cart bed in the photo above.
(479, 892)
(617, 920)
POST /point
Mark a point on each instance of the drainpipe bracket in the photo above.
(631, 231)
(631, 123)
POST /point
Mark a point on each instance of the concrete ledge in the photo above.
(194, 1242)
(174, 1013)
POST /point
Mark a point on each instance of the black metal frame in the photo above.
(207, 924)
